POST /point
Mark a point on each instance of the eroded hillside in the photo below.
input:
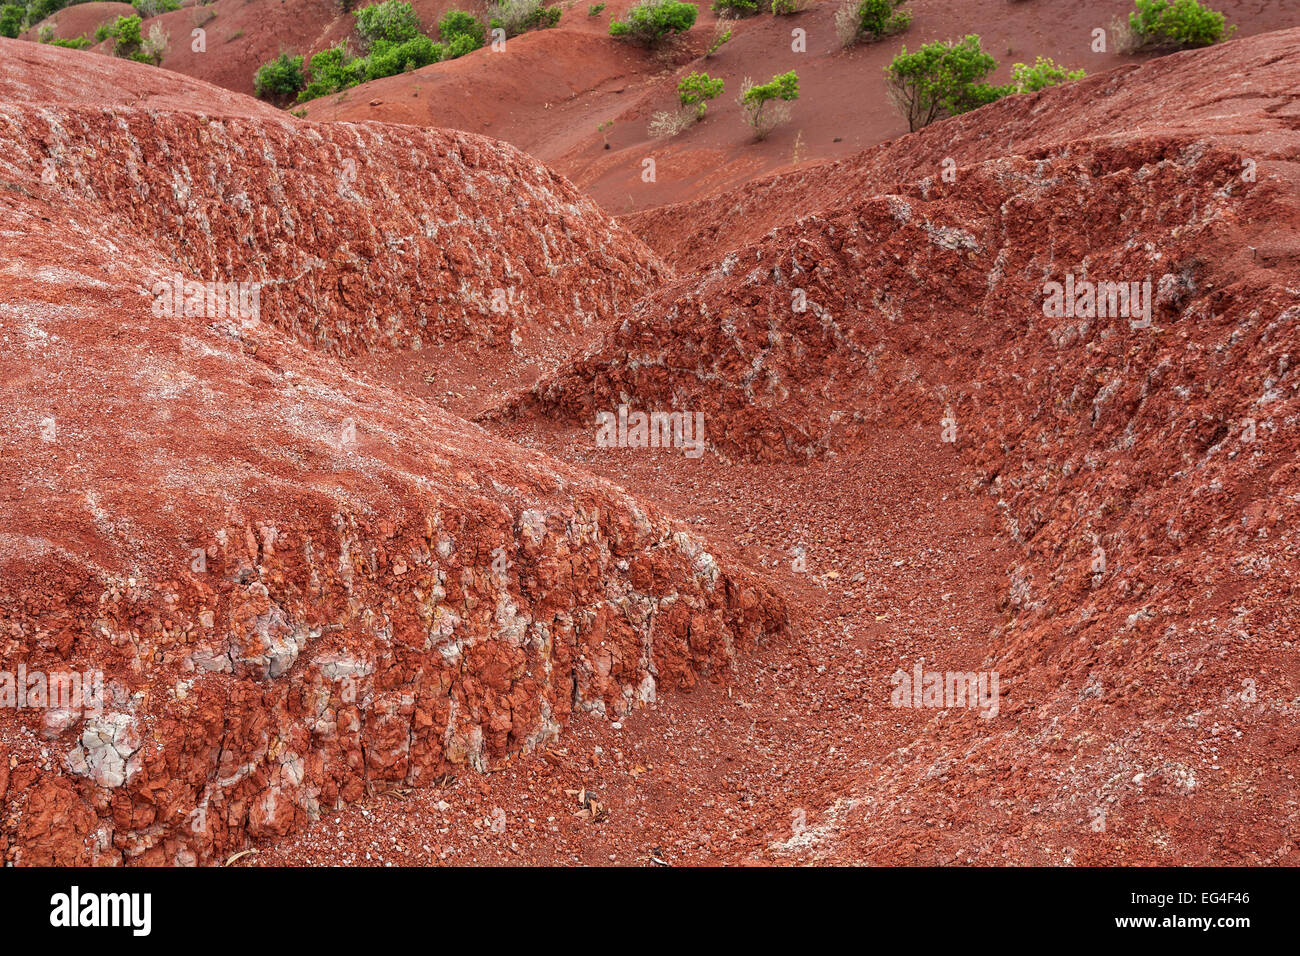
(339, 623)
(1141, 453)
(300, 586)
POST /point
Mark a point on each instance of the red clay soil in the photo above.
(80, 20)
(686, 660)
(550, 89)
(1146, 476)
(238, 36)
(383, 592)
(1180, 94)
(36, 74)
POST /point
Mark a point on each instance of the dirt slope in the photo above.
(300, 585)
(1146, 474)
(80, 20)
(1181, 94)
(549, 90)
(38, 74)
(911, 464)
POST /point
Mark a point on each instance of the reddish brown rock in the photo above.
(300, 585)
(1143, 472)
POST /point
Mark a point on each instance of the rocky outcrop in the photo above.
(297, 585)
(359, 237)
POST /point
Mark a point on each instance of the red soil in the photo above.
(1121, 683)
(81, 20)
(550, 89)
(36, 74)
(1149, 706)
(350, 626)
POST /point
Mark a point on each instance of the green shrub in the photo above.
(395, 45)
(595, 9)
(282, 76)
(870, 20)
(519, 16)
(761, 104)
(102, 32)
(151, 8)
(126, 36)
(1044, 73)
(456, 24)
(696, 89)
(332, 70)
(720, 37)
(735, 8)
(941, 79)
(650, 22)
(784, 8)
(1175, 25)
(11, 20)
(882, 18)
(393, 21)
(461, 44)
(46, 35)
(389, 59)
(38, 10)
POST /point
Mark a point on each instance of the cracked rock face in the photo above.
(299, 584)
(104, 753)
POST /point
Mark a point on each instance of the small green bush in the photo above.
(282, 76)
(881, 18)
(870, 20)
(332, 70)
(1175, 25)
(125, 33)
(72, 43)
(696, 89)
(151, 8)
(595, 9)
(722, 36)
(520, 16)
(1044, 73)
(761, 105)
(941, 79)
(785, 8)
(735, 8)
(11, 20)
(784, 86)
(460, 44)
(456, 24)
(389, 59)
(392, 21)
(651, 22)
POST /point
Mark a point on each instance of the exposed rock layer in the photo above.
(301, 586)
